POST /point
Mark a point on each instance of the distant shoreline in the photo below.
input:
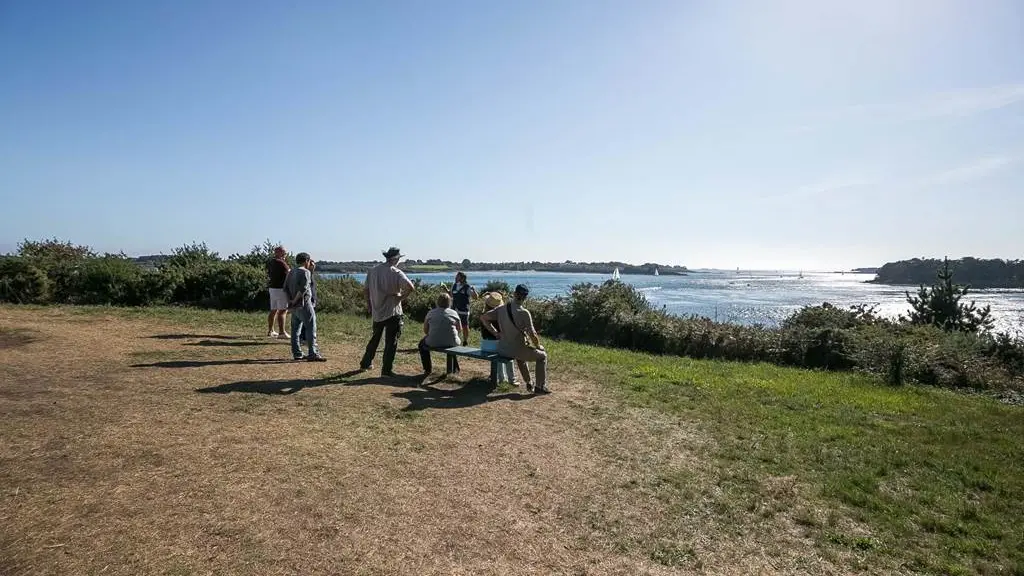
(472, 272)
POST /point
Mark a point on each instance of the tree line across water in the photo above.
(976, 272)
(945, 340)
(437, 265)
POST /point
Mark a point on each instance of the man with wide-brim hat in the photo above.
(385, 289)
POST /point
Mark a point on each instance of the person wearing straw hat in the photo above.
(514, 329)
(489, 342)
(385, 289)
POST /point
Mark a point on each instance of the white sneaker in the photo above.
(272, 335)
(285, 336)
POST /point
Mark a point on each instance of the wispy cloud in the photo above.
(973, 170)
(961, 103)
(827, 186)
(969, 171)
(968, 102)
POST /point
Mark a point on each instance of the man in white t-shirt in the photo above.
(385, 289)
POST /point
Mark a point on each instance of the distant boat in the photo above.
(615, 274)
(656, 272)
(801, 274)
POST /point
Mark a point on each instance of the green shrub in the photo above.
(117, 281)
(194, 255)
(221, 285)
(343, 294)
(1009, 351)
(499, 286)
(421, 300)
(21, 282)
(45, 254)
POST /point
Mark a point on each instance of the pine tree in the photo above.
(940, 305)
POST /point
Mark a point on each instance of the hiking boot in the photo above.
(299, 357)
(544, 390)
(316, 358)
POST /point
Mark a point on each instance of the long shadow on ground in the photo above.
(236, 343)
(476, 391)
(280, 387)
(291, 386)
(201, 363)
(195, 336)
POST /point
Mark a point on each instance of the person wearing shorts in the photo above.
(461, 293)
(277, 271)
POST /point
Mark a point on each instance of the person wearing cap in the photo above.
(385, 289)
(514, 328)
(277, 270)
(299, 288)
(489, 342)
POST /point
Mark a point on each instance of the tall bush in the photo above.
(21, 282)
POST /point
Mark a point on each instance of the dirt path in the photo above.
(145, 447)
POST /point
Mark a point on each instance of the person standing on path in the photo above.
(312, 290)
(277, 270)
(515, 326)
(385, 289)
(461, 293)
(299, 287)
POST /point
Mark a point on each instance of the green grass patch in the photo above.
(936, 478)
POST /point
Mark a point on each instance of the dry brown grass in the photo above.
(111, 462)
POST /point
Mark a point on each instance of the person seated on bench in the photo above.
(440, 330)
(489, 343)
(515, 326)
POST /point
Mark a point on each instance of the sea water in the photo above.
(747, 297)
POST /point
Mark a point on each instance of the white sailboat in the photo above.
(615, 274)
(656, 272)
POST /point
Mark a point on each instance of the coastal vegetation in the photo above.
(976, 272)
(944, 341)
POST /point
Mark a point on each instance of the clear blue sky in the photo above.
(762, 134)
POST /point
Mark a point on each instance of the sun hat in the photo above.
(522, 291)
(393, 253)
(493, 300)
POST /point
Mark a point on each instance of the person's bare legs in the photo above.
(280, 321)
(270, 322)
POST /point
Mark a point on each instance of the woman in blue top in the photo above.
(461, 293)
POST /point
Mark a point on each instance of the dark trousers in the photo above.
(452, 361)
(392, 331)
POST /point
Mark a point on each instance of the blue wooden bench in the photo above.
(494, 358)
